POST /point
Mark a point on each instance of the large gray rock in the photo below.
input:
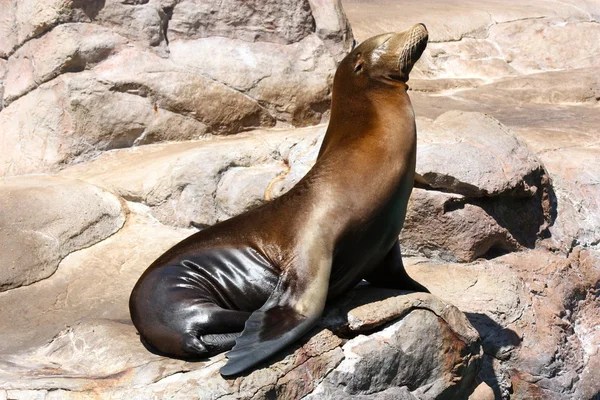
(70, 337)
(478, 177)
(45, 218)
(474, 155)
(209, 180)
(85, 77)
(398, 357)
(535, 312)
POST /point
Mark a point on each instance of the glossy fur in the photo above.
(260, 280)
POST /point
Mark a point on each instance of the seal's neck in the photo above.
(382, 113)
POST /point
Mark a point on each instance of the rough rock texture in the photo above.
(88, 346)
(43, 219)
(78, 78)
(206, 181)
(533, 311)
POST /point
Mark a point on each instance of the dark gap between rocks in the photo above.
(165, 13)
(527, 217)
(90, 8)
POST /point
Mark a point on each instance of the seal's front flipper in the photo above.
(391, 274)
(292, 310)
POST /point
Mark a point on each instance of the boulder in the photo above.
(94, 76)
(474, 176)
(76, 338)
(40, 60)
(474, 155)
(449, 227)
(206, 181)
(45, 218)
(535, 312)
(397, 356)
(272, 21)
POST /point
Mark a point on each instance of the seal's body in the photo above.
(267, 273)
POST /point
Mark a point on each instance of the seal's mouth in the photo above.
(414, 46)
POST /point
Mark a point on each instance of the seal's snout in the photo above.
(415, 44)
(419, 34)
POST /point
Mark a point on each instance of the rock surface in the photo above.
(89, 346)
(43, 219)
(85, 77)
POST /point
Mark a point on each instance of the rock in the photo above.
(534, 312)
(448, 227)
(552, 48)
(255, 21)
(139, 73)
(478, 177)
(61, 122)
(40, 60)
(76, 339)
(292, 82)
(573, 161)
(474, 155)
(332, 27)
(3, 64)
(44, 219)
(243, 188)
(104, 355)
(141, 21)
(199, 181)
(389, 358)
(380, 16)
(482, 392)
(580, 85)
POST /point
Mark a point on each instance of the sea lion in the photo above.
(260, 280)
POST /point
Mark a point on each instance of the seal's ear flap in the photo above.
(358, 63)
(292, 310)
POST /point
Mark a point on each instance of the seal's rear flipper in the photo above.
(266, 333)
(291, 310)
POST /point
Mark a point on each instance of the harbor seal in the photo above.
(260, 280)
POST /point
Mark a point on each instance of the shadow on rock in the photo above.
(527, 218)
(498, 343)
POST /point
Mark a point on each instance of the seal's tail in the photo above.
(208, 345)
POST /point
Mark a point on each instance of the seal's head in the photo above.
(386, 58)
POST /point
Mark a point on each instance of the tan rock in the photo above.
(76, 339)
(92, 283)
(448, 227)
(141, 21)
(332, 26)
(199, 181)
(45, 218)
(474, 155)
(553, 47)
(67, 48)
(292, 81)
(556, 87)
(123, 81)
(74, 117)
(482, 392)
(262, 21)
